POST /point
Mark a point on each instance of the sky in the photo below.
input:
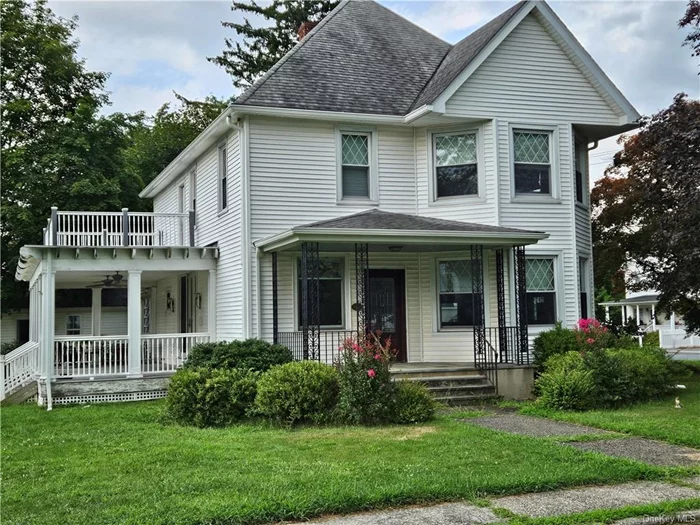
(155, 48)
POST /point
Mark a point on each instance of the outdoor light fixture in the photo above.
(395, 248)
(170, 303)
(198, 300)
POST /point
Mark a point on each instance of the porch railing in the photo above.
(18, 367)
(168, 352)
(330, 340)
(119, 228)
(79, 356)
(505, 341)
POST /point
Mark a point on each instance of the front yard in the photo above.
(119, 464)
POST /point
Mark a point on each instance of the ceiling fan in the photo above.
(110, 281)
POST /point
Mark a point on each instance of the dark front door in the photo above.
(387, 308)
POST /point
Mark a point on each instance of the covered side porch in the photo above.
(444, 291)
(112, 313)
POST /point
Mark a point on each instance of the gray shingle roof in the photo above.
(384, 220)
(364, 58)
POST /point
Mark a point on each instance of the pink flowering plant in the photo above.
(592, 335)
(366, 390)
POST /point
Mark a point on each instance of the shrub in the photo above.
(253, 354)
(298, 392)
(210, 397)
(558, 340)
(592, 335)
(366, 389)
(651, 339)
(9, 346)
(413, 403)
(566, 384)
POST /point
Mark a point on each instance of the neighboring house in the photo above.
(376, 177)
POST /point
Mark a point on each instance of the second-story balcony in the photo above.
(118, 228)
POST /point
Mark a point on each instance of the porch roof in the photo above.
(646, 300)
(382, 229)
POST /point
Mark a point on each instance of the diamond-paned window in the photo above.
(541, 291)
(532, 162)
(457, 304)
(456, 169)
(355, 165)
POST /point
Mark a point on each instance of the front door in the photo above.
(387, 308)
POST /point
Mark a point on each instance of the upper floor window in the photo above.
(459, 306)
(541, 291)
(330, 293)
(355, 165)
(73, 325)
(532, 162)
(579, 164)
(223, 172)
(456, 166)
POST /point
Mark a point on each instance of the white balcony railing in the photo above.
(18, 367)
(168, 352)
(80, 356)
(119, 228)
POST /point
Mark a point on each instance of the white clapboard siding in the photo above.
(8, 324)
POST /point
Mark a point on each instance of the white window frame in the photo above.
(554, 195)
(68, 324)
(432, 164)
(584, 284)
(583, 162)
(371, 134)
(222, 165)
(344, 291)
(193, 193)
(559, 290)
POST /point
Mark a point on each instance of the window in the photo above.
(355, 165)
(541, 294)
(583, 286)
(458, 305)
(330, 292)
(193, 194)
(579, 152)
(455, 165)
(73, 325)
(532, 162)
(223, 188)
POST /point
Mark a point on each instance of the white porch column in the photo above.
(97, 311)
(211, 305)
(46, 331)
(134, 322)
(637, 315)
(653, 317)
(607, 314)
(673, 320)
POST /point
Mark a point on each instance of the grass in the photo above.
(119, 464)
(656, 419)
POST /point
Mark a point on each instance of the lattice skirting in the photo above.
(109, 398)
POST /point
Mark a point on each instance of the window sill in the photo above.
(223, 212)
(534, 199)
(456, 199)
(357, 202)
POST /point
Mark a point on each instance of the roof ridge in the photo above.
(258, 83)
(396, 13)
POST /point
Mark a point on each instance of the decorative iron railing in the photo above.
(330, 341)
(506, 342)
(119, 228)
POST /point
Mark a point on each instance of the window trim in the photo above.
(559, 290)
(221, 177)
(554, 196)
(193, 193)
(480, 196)
(585, 184)
(344, 290)
(435, 289)
(80, 324)
(373, 175)
(584, 280)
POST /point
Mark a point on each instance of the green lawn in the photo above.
(118, 464)
(656, 419)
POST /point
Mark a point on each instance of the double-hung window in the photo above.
(541, 291)
(458, 305)
(330, 293)
(355, 165)
(532, 162)
(73, 325)
(583, 285)
(223, 185)
(579, 152)
(456, 165)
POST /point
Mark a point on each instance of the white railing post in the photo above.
(2, 377)
(134, 322)
(54, 226)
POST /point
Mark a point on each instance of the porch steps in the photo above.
(451, 385)
(20, 394)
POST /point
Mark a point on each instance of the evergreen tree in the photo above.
(262, 47)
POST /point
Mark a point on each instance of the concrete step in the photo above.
(448, 380)
(435, 372)
(471, 399)
(454, 390)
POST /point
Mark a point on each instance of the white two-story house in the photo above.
(376, 178)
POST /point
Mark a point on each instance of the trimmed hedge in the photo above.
(413, 403)
(251, 354)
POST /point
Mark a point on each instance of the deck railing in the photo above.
(80, 356)
(119, 228)
(18, 367)
(168, 352)
(330, 341)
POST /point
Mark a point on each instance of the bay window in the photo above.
(456, 165)
(541, 291)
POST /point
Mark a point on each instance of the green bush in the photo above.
(651, 339)
(412, 403)
(559, 340)
(566, 384)
(297, 392)
(210, 397)
(9, 346)
(253, 354)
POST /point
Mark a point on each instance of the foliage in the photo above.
(257, 49)
(163, 136)
(366, 388)
(647, 208)
(210, 397)
(254, 354)
(651, 339)
(691, 18)
(592, 335)
(558, 340)
(413, 403)
(9, 346)
(298, 392)
(566, 384)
